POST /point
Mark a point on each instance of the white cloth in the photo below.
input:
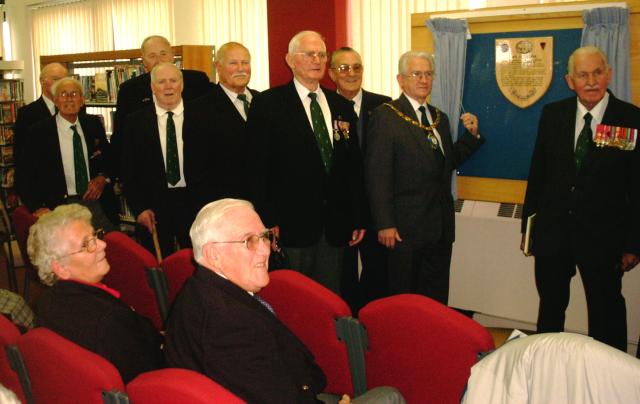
(178, 120)
(65, 138)
(303, 93)
(555, 368)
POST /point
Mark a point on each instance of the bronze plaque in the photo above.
(524, 68)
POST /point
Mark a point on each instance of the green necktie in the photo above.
(321, 132)
(245, 103)
(173, 162)
(79, 163)
(584, 141)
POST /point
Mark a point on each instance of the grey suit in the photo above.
(411, 191)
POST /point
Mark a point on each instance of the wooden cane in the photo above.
(156, 244)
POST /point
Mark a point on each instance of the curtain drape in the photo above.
(608, 29)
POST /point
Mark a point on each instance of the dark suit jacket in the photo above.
(97, 321)
(370, 101)
(143, 171)
(406, 187)
(41, 164)
(218, 329)
(219, 164)
(291, 187)
(597, 207)
(135, 94)
(28, 115)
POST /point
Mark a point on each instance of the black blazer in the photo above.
(407, 189)
(220, 157)
(135, 94)
(370, 101)
(97, 321)
(28, 115)
(597, 209)
(41, 166)
(290, 186)
(143, 171)
(218, 329)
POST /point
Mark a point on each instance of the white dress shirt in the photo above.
(596, 112)
(357, 102)
(415, 105)
(49, 103)
(65, 138)
(303, 92)
(233, 96)
(178, 120)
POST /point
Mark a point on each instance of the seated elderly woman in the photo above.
(70, 256)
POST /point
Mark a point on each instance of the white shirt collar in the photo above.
(179, 109)
(596, 112)
(233, 96)
(49, 104)
(303, 92)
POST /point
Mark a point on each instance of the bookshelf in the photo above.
(11, 99)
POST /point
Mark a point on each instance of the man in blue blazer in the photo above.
(586, 200)
(306, 165)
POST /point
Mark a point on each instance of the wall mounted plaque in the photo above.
(524, 68)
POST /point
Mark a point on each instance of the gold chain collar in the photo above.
(412, 121)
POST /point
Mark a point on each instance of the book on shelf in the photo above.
(8, 112)
(6, 156)
(11, 90)
(6, 135)
(103, 86)
(6, 177)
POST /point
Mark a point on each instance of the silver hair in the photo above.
(585, 50)
(294, 43)
(403, 63)
(65, 80)
(45, 72)
(224, 48)
(208, 222)
(163, 64)
(152, 37)
(342, 51)
(45, 246)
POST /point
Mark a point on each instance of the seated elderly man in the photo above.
(221, 328)
(70, 255)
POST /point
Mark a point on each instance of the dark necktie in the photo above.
(79, 164)
(173, 161)
(584, 141)
(264, 303)
(245, 103)
(433, 140)
(360, 124)
(321, 132)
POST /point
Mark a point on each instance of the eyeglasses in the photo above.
(71, 94)
(252, 242)
(312, 55)
(421, 75)
(586, 76)
(345, 68)
(88, 245)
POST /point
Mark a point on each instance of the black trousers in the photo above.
(602, 280)
(420, 268)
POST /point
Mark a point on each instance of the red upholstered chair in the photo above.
(9, 335)
(178, 267)
(63, 372)
(22, 222)
(129, 261)
(310, 310)
(169, 386)
(421, 347)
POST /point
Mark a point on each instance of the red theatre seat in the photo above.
(129, 261)
(178, 267)
(310, 310)
(9, 335)
(169, 386)
(421, 347)
(63, 372)
(22, 222)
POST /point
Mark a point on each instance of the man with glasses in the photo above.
(220, 327)
(346, 71)
(66, 159)
(70, 257)
(307, 168)
(409, 161)
(583, 188)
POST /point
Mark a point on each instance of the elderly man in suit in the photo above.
(155, 163)
(135, 93)
(346, 72)
(409, 161)
(220, 327)
(221, 116)
(586, 200)
(307, 167)
(66, 159)
(37, 111)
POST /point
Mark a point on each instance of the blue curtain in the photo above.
(450, 41)
(608, 29)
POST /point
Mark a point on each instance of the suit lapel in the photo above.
(54, 143)
(225, 104)
(405, 107)
(152, 134)
(298, 114)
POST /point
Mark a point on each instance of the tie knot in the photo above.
(73, 127)
(587, 118)
(352, 102)
(170, 114)
(242, 97)
(422, 109)
(313, 96)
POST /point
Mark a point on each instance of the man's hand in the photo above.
(356, 237)
(147, 219)
(345, 399)
(95, 188)
(470, 122)
(388, 237)
(41, 211)
(629, 261)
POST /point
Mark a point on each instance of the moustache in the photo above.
(240, 74)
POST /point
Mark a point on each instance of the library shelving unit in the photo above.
(11, 99)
